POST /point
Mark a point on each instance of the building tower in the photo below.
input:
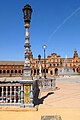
(75, 54)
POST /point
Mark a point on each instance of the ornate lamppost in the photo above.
(44, 47)
(27, 11)
(27, 82)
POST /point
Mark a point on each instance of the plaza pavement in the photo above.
(64, 101)
(67, 94)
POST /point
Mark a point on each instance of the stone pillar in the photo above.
(6, 94)
(10, 94)
(19, 94)
(13, 72)
(2, 93)
(22, 94)
(54, 82)
(14, 94)
(31, 95)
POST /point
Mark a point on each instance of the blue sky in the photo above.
(55, 23)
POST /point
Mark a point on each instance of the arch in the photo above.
(70, 65)
(43, 70)
(19, 71)
(56, 71)
(50, 64)
(4, 71)
(54, 64)
(37, 71)
(74, 66)
(8, 71)
(58, 65)
(34, 71)
(74, 69)
(77, 70)
(51, 72)
(0, 71)
(15, 71)
(11, 71)
(76, 61)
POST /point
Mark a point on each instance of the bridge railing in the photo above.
(46, 83)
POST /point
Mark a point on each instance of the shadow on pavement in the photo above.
(38, 100)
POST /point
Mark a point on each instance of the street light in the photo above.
(44, 47)
(39, 57)
(27, 11)
(40, 72)
(27, 81)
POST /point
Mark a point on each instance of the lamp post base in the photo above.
(27, 105)
(27, 74)
(27, 78)
(27, 93)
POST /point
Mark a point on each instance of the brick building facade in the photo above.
(54, 63)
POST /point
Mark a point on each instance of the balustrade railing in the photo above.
(46, 84)
(10, 93)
